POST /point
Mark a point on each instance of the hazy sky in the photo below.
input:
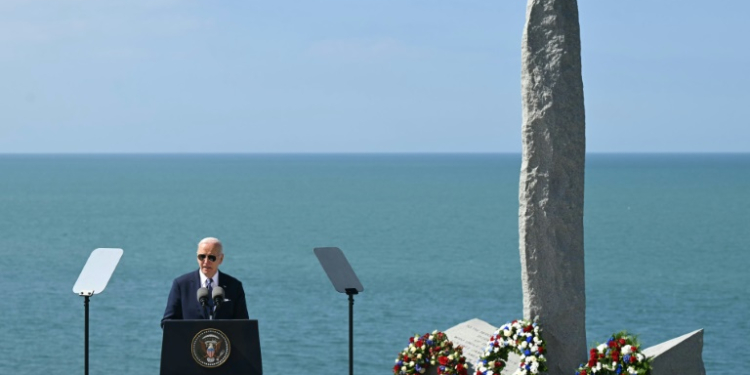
(358, 75)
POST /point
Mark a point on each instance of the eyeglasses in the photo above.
(202, 257)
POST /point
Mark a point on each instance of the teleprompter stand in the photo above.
(344, 280)
(92, 280)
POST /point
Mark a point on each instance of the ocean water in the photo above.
(433, 239)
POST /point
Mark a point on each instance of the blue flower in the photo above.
(528, 339)
(484, 362)
(527, 352)
(619, 369)
(626, 358)
(429, 342)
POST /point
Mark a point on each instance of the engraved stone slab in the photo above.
(681, 355)
(473, 335)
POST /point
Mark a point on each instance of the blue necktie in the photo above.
(210, 294)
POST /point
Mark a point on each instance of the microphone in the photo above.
(218, 296)
(203, 296)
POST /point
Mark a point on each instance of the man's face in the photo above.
(209, 251)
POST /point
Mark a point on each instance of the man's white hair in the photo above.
(211, 241)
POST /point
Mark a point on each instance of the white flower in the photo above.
(632, 370)
(602, 348)
(431, 337)
(422, 370)
(534, 368)
(403, 368)
(450, 357)
(412, 349)
(640, 357)
(506, 333)
(627, 349)
(532, 359)
(411, 364)
(419, 356)
(496, 350)
(524, 344)
(534, 348)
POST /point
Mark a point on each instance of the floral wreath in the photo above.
(521, 337)
(428, 350)
(620, 354)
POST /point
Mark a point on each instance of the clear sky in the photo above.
(358, 75)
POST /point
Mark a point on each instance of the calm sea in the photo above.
(433, 239)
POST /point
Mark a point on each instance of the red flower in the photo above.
(411, 340)
(622, 342)
(583, 372)
(419, 343)
(632, 359)
(395, 369)
(611, 344)
(528, 328)
(615, 356)
(443, 360)
(541, 350)
(592, 362)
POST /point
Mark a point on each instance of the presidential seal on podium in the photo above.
(210, 348)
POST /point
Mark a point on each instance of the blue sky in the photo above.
(150, 76)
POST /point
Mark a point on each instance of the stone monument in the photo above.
(552, 179)
(551, 204)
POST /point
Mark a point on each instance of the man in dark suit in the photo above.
(183, 302)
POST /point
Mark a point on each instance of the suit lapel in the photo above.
(195, 284)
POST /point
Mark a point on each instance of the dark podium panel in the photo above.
(182, 338)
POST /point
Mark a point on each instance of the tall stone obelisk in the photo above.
(552, 179)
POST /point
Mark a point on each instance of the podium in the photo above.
(213, 347)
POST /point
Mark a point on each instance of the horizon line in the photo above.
(359, 153)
